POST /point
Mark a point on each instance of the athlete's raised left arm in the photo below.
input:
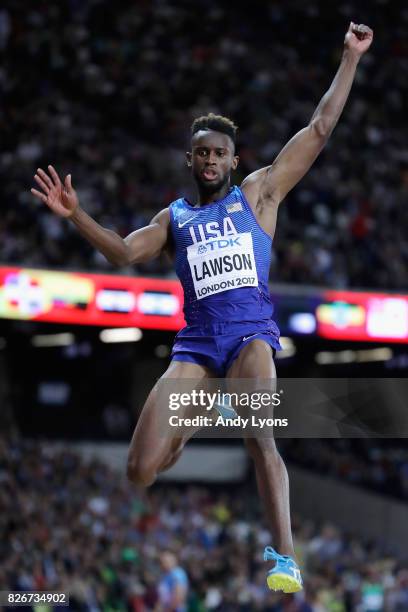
(269, 185)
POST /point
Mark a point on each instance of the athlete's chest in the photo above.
(216, 247)
(209, 226)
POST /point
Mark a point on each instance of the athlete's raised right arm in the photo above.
(140, 246)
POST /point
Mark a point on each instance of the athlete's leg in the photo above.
(153, 448)
(255, 361)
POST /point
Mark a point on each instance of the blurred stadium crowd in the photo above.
(79, 527)
(379, 465)
(107, 91)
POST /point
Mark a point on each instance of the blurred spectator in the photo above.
(173, 585)
(108, 91)
(76, 526)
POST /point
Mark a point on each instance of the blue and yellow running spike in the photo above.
(285, 576)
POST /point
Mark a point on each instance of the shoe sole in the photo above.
(283, 582)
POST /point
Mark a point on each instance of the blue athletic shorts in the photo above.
(217, 345)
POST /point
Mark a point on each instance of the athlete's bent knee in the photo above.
(140, 473)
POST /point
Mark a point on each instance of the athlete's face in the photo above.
(211, 159)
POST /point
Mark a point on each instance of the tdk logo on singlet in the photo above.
(218, 244)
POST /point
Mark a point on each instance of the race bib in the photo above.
(221, 264)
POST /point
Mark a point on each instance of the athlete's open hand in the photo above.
(358, 38)
(60, 197)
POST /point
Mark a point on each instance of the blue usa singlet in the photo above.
(222, 258)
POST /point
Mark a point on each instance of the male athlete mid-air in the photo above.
(229, 332)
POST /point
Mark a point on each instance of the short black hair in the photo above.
(218, 123)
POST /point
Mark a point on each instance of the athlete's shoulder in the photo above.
(248, 192)
(238, 192)
(179, 210)
(177, 202)
(162, 217)
(177, 205)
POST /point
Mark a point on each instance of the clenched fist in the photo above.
(358, 38)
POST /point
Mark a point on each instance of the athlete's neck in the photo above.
(206, 198)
